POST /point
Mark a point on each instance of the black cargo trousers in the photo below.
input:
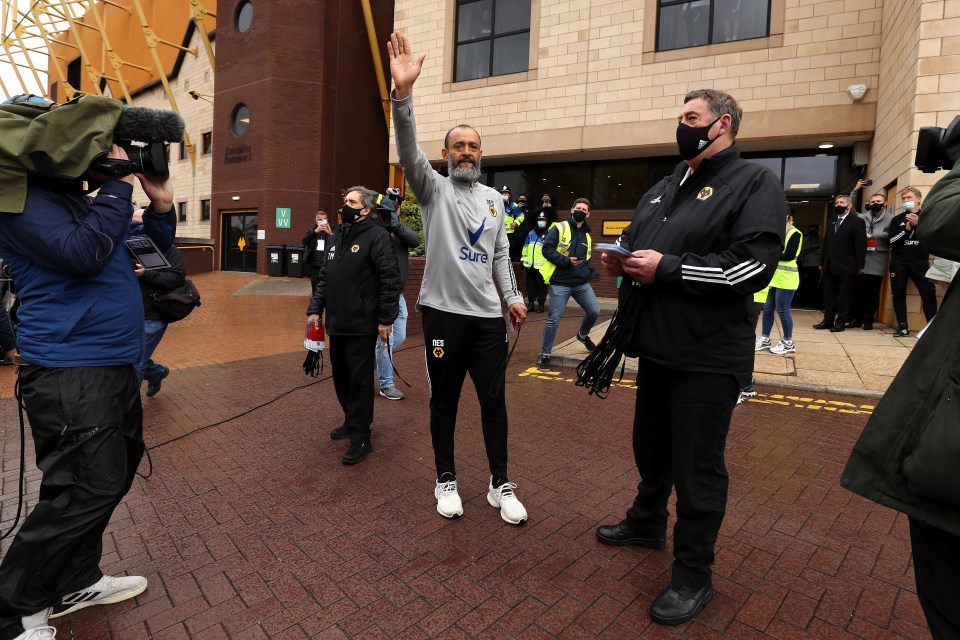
(87, 425)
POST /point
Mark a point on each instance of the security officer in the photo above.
(513, 217)
(532, 260)
(702, 240)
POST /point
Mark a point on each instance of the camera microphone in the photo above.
(149, 125)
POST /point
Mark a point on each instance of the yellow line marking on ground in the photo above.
(796, 402)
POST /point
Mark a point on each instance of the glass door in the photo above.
(239, 243)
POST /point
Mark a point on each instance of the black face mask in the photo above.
(691, 141)
(523, 204)
(841, 210)
(349, 215)
(875, 207)
(579, 216)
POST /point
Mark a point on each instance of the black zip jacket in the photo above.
(905, 247)
(720, 234)
(359, 284)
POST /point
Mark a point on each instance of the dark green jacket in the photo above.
(908, 456)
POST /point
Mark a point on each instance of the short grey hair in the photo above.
(720, 103)
(368, 197)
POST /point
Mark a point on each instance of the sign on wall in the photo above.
(283, 217)
(614, 227)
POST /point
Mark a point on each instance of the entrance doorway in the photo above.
(239, 241)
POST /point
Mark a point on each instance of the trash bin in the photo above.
(276, 262)
(295, 268)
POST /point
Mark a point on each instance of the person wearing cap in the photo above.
(513, 217)
(532, 260)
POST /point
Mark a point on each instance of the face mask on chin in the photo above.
(691, 141)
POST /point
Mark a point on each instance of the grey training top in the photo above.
(463, 232)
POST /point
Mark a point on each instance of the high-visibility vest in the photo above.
(787, 275)
(532, 254)
(510, 220)
(564, 236)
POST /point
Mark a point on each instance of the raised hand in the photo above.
(404, 68)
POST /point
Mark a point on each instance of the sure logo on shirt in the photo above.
(705, 193)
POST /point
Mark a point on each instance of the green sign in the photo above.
(283, 217)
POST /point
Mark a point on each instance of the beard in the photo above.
(463, 174)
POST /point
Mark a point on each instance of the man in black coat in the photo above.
(315, 246)
(842, 258)
(359, 286)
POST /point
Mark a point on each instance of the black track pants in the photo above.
(87, 426)
(354, 368)
(455, 345)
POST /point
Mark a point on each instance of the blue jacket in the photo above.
(80, 300)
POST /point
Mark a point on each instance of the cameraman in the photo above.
(79, 335)
(905, 458)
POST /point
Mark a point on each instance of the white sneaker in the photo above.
(106, 590)
(505, 499)
(449, 504)
(783, 347)
(762, 344)
(38, 633)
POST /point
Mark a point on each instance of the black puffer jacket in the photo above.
(359, 285)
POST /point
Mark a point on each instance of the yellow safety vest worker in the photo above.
(563, 248)
(511, 222)
(532, 254)
(787, 275)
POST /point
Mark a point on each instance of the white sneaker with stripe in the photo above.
(106, 590)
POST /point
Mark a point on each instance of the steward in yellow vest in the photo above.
(532, 259)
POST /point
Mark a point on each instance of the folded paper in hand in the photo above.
(615, 249)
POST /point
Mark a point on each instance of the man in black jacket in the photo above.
(155, 282)
(359, 287)
(315, 246)
(702, 241)
(909, 260)
(842, 258)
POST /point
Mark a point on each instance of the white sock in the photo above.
(38, 619)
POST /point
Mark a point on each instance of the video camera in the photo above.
(938, 148)
(143, 133)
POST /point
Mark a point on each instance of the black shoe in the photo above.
(853, 324)
(868, 325)
(339, 433)
(676, 606)
(539, 307)
(357, 452)
(902, 331)
(837, 328)
(587, 342)
(621, 535)
(543, 363)
(153, 388)
(823, 325)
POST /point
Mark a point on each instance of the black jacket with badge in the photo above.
(720, 233)
(908, 455)
(359, 284)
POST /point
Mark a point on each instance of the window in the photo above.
(692, 23)
(181, 211)
(204, 209)
(493, 38)
(207, 145)
(241, 120)
(183, 150)
(244, 16)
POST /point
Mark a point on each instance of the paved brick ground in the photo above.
(249, 527)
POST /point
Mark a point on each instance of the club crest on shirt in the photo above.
(493, 210)
(438, 352)
(705, 193)
(355, 248)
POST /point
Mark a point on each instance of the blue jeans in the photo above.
(397, 336)
(559, 295)
(148, 369)
(780, 300)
